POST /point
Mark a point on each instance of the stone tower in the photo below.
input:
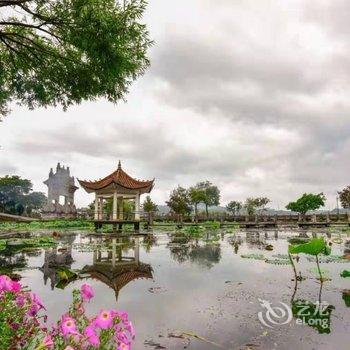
(60, 185)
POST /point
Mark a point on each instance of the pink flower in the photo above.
(104, 320)
(16, 286)
(86, 292)
(7, 285)
(92, 336)
(68, 348)
(68, 326)
(122, 338)
(20, 300)
(47, 342)
(36, 301)
(123, 346)
(130, 328)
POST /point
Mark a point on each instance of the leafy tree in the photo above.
(211, 194)
(344, 197)
(253, 204)
(308, 201)
(35, 200)
(234, 207)
(179, 201)
(65, 51)
(12, 191)
(149, 206)
(197, 195)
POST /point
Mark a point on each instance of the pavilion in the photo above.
(120, 186)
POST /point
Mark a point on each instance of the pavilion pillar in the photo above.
(137, 250)
(96, 207)
(115, 206)
(100, 211)
(137, 207)
(120, 205)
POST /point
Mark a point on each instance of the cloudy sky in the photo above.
(251, 95)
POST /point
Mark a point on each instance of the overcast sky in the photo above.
(251, 95)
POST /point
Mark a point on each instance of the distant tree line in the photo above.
(17, 197)
(182, 201)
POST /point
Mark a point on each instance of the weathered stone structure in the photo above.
(60, 185)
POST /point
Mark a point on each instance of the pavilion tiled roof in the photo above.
(119, 177)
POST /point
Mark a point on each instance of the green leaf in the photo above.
(314, 247)
(345, 273)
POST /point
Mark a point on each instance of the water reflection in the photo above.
(116, 267)
(53, 259)
(204, 254)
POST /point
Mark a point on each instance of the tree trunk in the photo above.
(195, 212)
(206, 210)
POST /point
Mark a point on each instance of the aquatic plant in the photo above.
(315, 247)
(19, 244)
(346, 297)
(193, 230)
(345, 273)
(22, 323)
(278, 261)
(212, 225)
(42, 225)
(253, 256)
(329, 259)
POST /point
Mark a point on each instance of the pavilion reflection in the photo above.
(116, 267)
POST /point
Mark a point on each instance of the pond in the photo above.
(201, 293)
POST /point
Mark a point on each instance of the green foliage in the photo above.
(65, 276)
(278, 261)
(19, 244)
(329, 259)
(298, 240)
(345, 273)
(66, 51)
(193, 231)
(252, 204)
(149, 206)
(49, 225)
(234, 207)
(344, 196)
(179, 201)
(16, 196)
(212, 225)
(197, 195)
(314, 247)
(211, 194)
(253, 256)
(308, 201)
(346, 297)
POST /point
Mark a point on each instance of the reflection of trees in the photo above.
(148, 242)
(255, 240)
(205, 255)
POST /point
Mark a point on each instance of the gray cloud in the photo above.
(253, 96)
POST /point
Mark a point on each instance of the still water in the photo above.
(199, 293)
